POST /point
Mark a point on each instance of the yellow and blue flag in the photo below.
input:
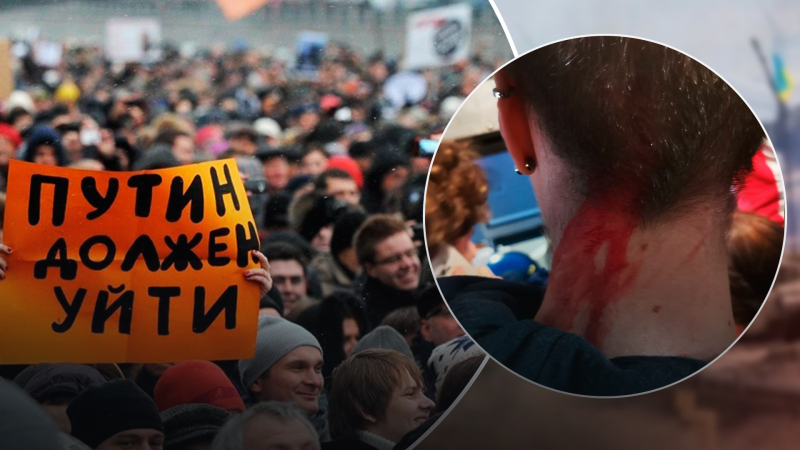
(783, 79)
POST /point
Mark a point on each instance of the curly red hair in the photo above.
(456, 195)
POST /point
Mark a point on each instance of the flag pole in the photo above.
(783, 112)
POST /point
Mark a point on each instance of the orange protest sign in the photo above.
(128, 266)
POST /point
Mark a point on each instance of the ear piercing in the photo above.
(530, 165)
(503, 94)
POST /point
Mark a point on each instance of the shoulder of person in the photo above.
(448, 262)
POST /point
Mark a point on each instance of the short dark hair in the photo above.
(321, 182)
(314, 147)
(16, 113)
(372, 232)
(168, 136)
(345, 227)
(632, 116)
(456, 380)
(360, 150)
(65, 128)
(243, 131)
(754, 254)
(284, 251)
(405, 320)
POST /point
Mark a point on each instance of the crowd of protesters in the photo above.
(355, 347)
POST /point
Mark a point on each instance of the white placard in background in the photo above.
(47, 53)
(133, 39)
(438, 37)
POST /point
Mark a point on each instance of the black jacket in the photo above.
(380, 300)
(498, 315)
(347, 444)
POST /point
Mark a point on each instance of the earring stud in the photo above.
(530, 166)
(503, 94)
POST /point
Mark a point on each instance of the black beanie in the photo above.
(272, 299)
(428, 301)
(276, 214)
(100, 412)
(322, 213)
(345, 228)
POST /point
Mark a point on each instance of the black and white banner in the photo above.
(438, 37)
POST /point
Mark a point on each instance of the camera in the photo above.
(256, 185)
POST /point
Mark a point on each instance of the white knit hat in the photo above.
(449, 354)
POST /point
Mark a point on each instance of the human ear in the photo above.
(425, 329)
(514, 124)
(369, 269)
(256, 387)
(369, 418)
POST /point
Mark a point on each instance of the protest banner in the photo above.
(48, 53)
(128, 266)
(310, 51)
(405, 88)
(6, 74)
(133, 39)
(438, 37)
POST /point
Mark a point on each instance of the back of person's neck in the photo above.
(655, 290)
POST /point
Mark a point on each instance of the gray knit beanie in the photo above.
(192, 422)
(384, 337)
(276, 337)
(23, 423)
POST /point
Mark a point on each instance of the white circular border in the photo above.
(452, 119)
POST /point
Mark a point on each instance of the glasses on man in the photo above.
(397, 257)
(293, 280)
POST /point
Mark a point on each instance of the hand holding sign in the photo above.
(260, 276)
(3, 263)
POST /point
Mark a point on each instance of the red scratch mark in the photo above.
(575, 278)
(656, 309)
(690, 257)
(696, 249)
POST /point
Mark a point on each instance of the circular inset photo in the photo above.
(604, 216)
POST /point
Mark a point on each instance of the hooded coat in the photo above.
(40, 136)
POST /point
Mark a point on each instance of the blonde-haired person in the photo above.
(456, 201)
(377, 397)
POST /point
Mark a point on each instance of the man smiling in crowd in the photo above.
(389, 258)
(287, 367)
